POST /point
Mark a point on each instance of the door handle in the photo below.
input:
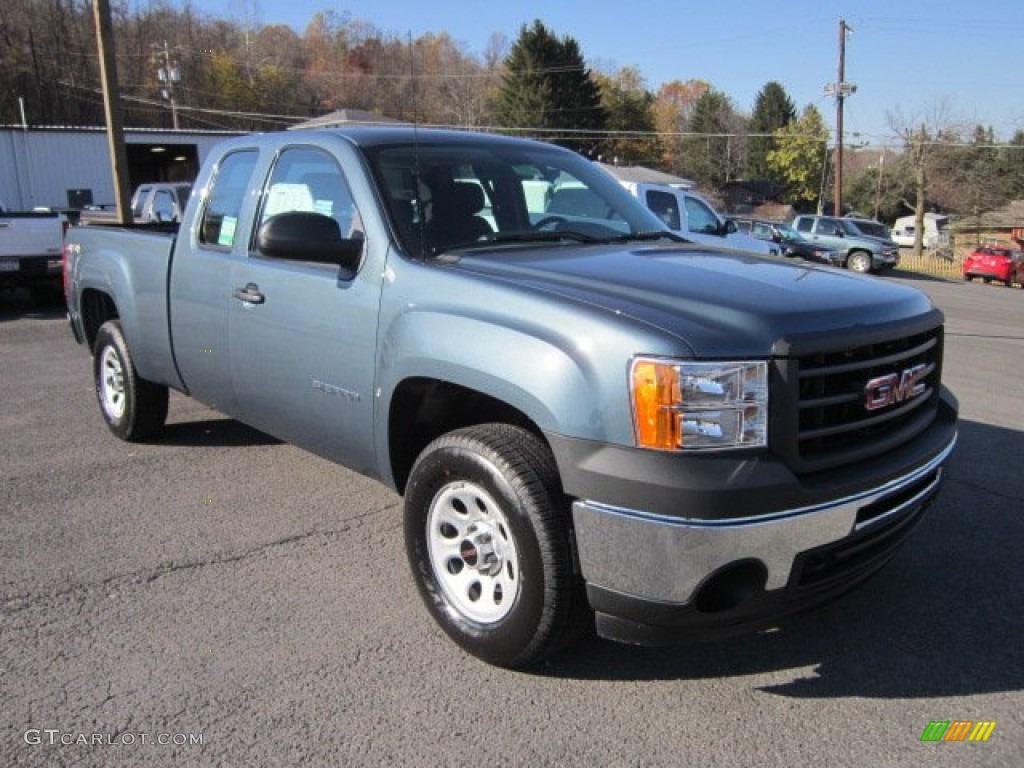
(249, 295)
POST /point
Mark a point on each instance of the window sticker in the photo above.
(227, 230)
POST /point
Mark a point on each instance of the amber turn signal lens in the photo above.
(655, 392)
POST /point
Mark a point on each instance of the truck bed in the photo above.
(132, 263)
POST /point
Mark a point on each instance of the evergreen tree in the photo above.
(547, 86)
(773, 109)
(712, 152)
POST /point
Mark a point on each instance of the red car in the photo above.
(994, 262)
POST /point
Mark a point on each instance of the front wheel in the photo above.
(488, 540)
(133, 407)
(859, 262)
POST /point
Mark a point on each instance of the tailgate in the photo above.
(30, 235)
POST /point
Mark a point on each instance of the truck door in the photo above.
(200, 290)
(302, 336)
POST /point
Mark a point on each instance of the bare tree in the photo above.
(921, 134)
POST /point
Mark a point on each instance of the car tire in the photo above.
(859, 261)
(133, 407)
(488, 538)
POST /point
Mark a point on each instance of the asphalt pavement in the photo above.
(218, 598)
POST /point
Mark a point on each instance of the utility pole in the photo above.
(840, 89)
(167, 74)
(112, 108)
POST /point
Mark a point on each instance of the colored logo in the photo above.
(958, 730)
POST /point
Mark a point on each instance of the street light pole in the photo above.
(168, 75)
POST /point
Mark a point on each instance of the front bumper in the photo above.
(888, 259)
(665, 576)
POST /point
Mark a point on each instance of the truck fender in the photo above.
(536, 370)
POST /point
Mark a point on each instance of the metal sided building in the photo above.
(70, 168)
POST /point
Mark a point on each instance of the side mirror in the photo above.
(729, 227)
(307, 236)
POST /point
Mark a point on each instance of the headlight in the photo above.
(691, 406)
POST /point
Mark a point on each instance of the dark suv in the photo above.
(793, 244)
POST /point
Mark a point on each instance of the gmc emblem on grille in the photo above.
(893, 388)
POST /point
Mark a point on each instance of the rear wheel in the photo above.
(488, 539)
(133, 407)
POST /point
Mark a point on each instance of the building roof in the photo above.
(640, 174)
(344, 117)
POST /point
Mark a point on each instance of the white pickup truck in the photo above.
(31, 243)
(688, 214)
(162, 202)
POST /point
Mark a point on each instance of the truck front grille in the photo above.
(852, 403)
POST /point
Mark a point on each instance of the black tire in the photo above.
(133, 407)
(859, 261)
(485, 516)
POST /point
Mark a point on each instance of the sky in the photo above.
(936, 61)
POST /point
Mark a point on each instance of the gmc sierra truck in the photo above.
(591, 423)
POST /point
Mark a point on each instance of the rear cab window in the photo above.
(231, 183)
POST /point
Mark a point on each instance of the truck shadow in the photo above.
(16, 303)
(944, 618)
(213, 433)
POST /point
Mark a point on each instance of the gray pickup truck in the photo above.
(591, 423)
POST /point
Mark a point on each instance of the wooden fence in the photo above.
(946, 264)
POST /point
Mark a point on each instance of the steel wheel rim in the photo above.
(112, 394)
(472, 552)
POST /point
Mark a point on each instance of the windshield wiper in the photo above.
(553, 236)
(556, 236)
(649, 236)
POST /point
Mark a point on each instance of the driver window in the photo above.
(163, 206)
(309, 180)
(665, 206)
(701, 218)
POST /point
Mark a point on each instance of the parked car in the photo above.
(792, 243)
(995, 263)
(861, 252)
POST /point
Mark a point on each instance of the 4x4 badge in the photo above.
(883, 391)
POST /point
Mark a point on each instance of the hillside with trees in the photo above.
(236, 75)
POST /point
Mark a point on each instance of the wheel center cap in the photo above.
(479, 550)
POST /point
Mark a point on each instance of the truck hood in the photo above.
(720, 303)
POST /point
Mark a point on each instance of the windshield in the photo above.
(461, 193)
(788, 233)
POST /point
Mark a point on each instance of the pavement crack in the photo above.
(15, 604)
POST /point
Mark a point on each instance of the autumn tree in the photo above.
(548, 89)
(773, 109)
(799, 157)
(672, 109)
